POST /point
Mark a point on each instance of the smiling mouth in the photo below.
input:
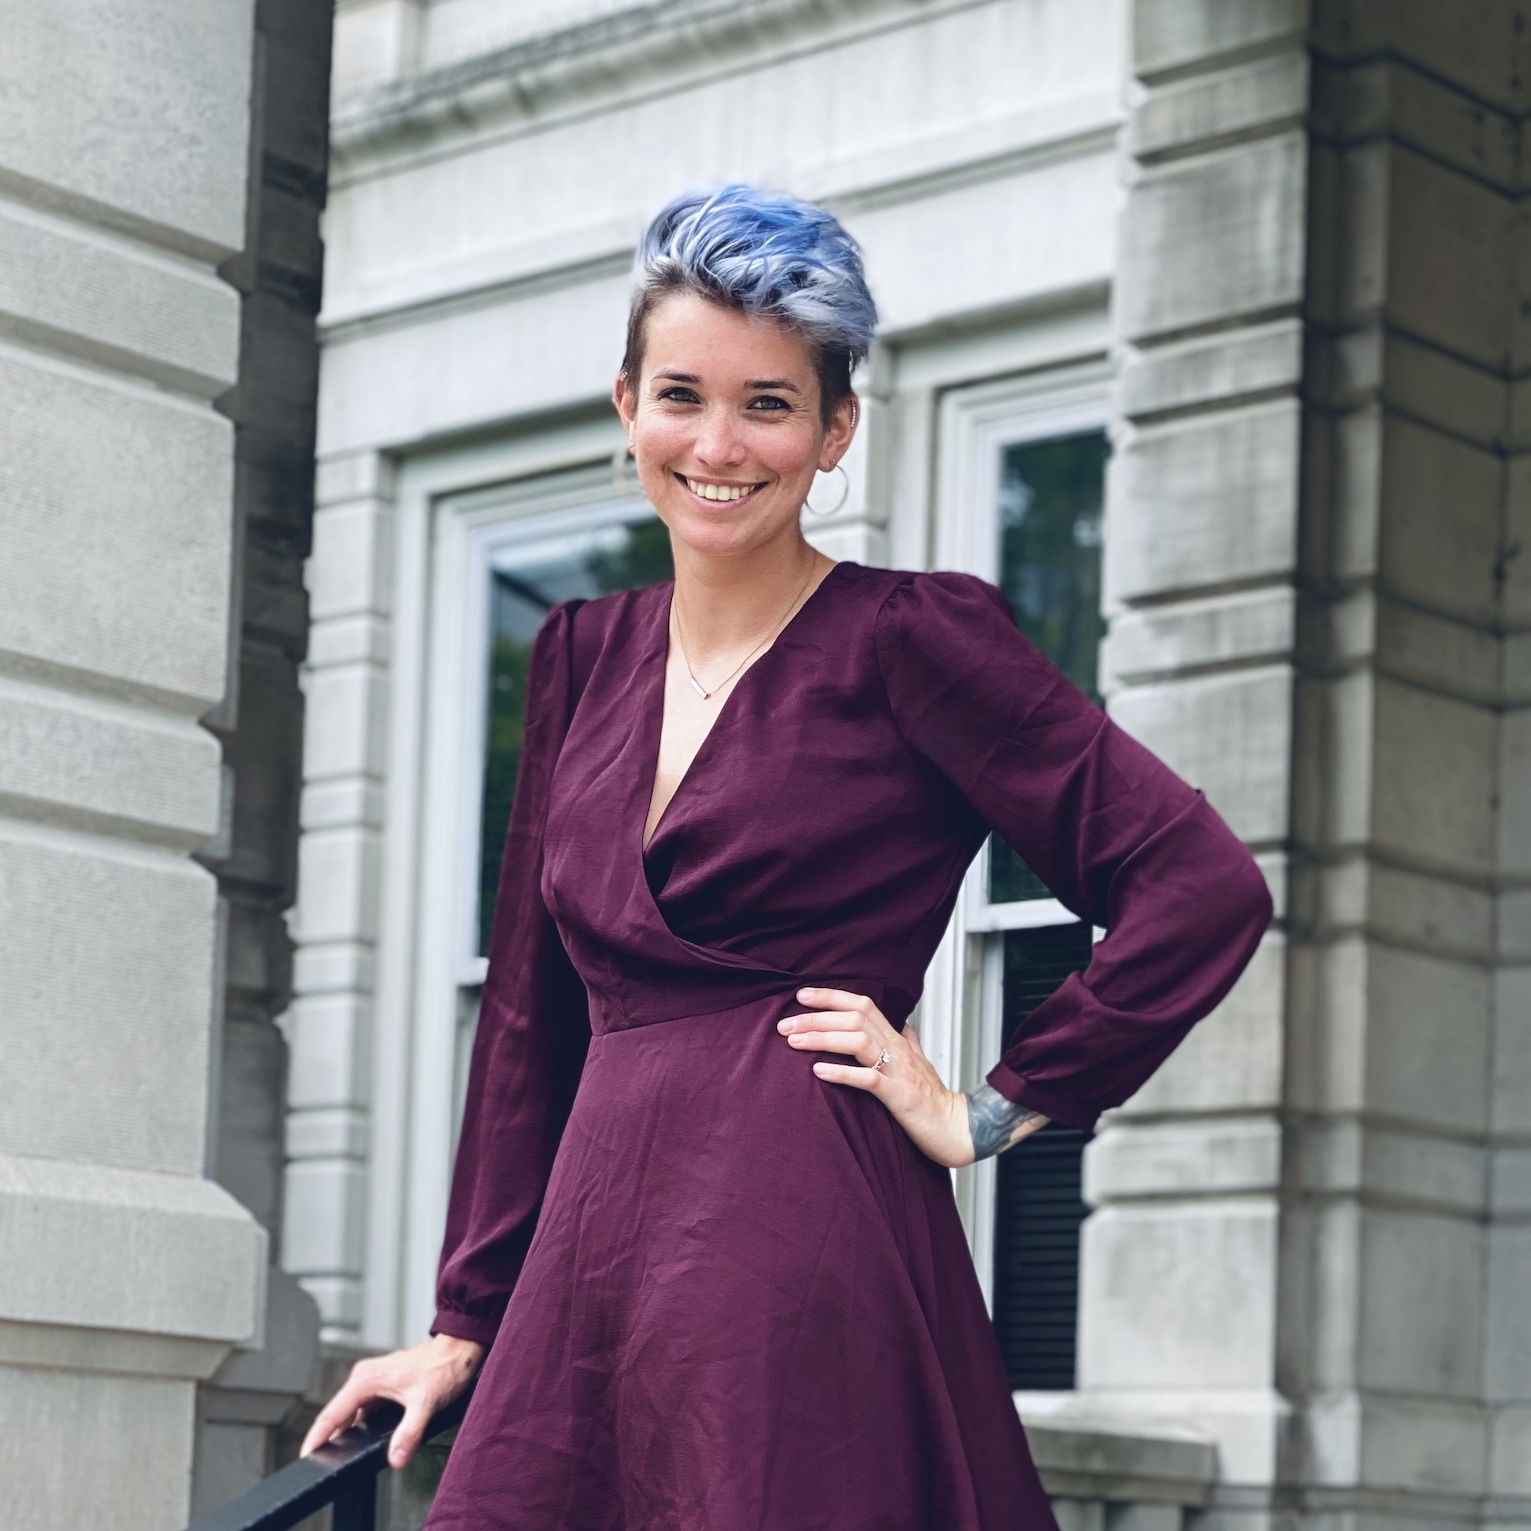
(718, 493)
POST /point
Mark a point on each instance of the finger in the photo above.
(837, 999)
(843, 1073)
(406, 1435)
(339, 1413)
(854, 1044)
(823, 1020)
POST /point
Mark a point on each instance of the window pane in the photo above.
(1051, 504)
(1038, 1204)
(526, 582)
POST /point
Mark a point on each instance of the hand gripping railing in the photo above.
(343, 1473)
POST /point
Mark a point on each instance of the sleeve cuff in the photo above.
(464, 1326)
(1054, 1107)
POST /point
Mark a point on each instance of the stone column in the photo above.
(1180, 1296)
(125, 1274)
(260, 721)
(1311, 1237)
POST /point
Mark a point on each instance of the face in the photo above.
(726, 427)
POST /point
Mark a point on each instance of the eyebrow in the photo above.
(781, 383)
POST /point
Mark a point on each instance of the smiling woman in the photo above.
(711, 1284)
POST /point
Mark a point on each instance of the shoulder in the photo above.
(585, 627)
(900, 596)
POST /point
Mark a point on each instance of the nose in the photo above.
(718, 442)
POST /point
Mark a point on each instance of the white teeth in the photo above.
(719, 491)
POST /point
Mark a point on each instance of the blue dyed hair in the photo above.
(764, 253)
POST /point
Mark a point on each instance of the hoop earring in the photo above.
(627, 487)
(845, 494)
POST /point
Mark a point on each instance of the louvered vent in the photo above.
(1038, 1208)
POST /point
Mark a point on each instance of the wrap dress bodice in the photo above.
(720, 1292)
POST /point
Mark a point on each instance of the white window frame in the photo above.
(962, 1014)
(453, 508)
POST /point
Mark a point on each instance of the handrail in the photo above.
(344, 1473)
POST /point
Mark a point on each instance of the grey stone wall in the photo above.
(126, 1275)
(1312, 1236)
(259, 725)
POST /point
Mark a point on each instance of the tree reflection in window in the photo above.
(1051, 503)
(526, 583)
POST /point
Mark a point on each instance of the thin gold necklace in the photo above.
(680, 639)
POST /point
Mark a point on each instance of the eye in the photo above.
(769, 403)
(678, 395)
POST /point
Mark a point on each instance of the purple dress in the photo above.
(721, 1294)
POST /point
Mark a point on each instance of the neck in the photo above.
(726, 603)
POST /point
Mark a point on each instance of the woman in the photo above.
(702, 1244)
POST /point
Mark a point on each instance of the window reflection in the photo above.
(1051, 499)
(527, 580)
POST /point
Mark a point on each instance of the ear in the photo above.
(627, 404)
(841, 432)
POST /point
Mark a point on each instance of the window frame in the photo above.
(963, 1013)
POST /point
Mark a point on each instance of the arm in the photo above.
(528, 1053)
(995, 1124)
(1120, 840)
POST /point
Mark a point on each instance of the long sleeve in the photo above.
(533, 1030)
(1119, 839)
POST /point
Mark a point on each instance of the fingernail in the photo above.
(804, 993)
(784, 1027)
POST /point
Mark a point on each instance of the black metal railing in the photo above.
(343, 1473)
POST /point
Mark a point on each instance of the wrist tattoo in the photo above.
(994, 1121)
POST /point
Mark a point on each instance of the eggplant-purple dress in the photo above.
(721, 1294)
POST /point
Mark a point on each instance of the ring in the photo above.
(883, 1060)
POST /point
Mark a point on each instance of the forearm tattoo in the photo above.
(994, 1121)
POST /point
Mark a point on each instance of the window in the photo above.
(527, 567)
(527, 579)
(1024, 472)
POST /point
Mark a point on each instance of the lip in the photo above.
(685, 480)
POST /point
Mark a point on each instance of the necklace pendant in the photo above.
(696, 686)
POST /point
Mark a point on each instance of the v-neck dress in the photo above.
(720, 1293)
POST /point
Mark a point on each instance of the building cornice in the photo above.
(614, 57)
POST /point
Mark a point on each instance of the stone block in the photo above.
(1426, 1039)
(1399, 1444)
(338, 876)
(1512, 1051)
(1439, 653)
(1451, 256)
(1332, 804)
(1479, 49)
(1514, 837)
(350, 569)
(1232, 1061)
(348, 641)
(1085, 1457)
(1180, 34)
(87, 1246)
(72, 92)
(1228, 734)
(337, 1133)
(1345, 1156)
(1179, 1295)
(104, 300)
(1211, 369)
(1408, 908)
(1515, 925)
(1203, 502)
(330, 1036)
(1212, 239)
(1131, 1160)
(323, 1217)
(116, 503)
(343, 801)
(339, 1299)
(345, 719)
(1433, 783)
(107, 957)
(1419, 1295)
(1510, 1471)
(1440, 531)
(78, 760)
(1270, 93)
(1507, 1332)
(140, 1429)
(1155, 642)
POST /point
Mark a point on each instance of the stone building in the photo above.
(1205, 332)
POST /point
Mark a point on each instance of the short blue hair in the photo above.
(764, 253)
